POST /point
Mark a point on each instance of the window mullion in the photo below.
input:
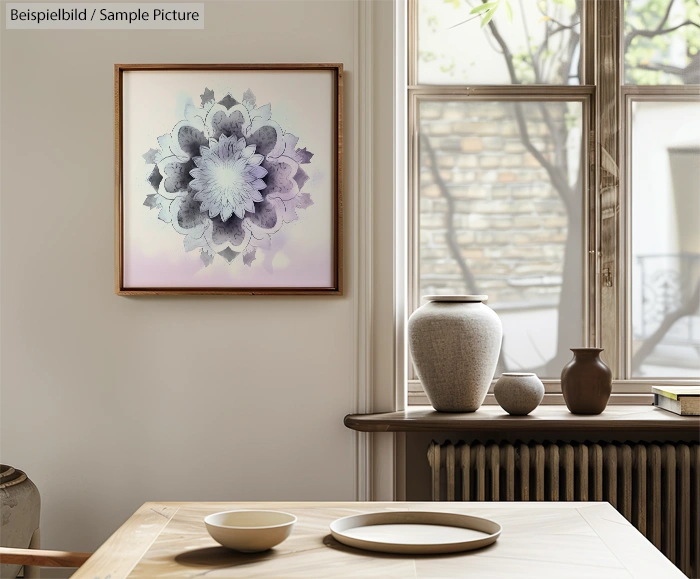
(588, 43)
(609, 274)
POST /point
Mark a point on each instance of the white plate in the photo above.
(415, 532)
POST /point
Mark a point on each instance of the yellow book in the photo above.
(683, 400)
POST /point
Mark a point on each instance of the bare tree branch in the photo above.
(464, 21)
(507, 54)
(452, 243)
(558, 179)
(659, 30)
(558, 140)
(687, 309)
(573, 40)
(554, 19)
(654, 67)
(653, 33)
(664, 20)
(535, 62)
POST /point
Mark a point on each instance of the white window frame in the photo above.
(607, 237)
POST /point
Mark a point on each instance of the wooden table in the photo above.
(539, 540)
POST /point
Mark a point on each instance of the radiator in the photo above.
(655, 486)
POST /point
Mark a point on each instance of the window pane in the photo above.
(666, 239)
(526, 42)
(501, 214)
(662, 38)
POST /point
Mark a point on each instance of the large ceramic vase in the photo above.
(454, 343)
(20, 505)
(586, 382)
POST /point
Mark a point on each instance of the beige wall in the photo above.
(108, 401)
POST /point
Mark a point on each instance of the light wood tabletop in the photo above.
(539, 540)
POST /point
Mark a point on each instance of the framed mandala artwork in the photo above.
(228, 179)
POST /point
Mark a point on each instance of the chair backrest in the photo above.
(42, 557)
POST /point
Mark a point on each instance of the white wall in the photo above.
(104, 401)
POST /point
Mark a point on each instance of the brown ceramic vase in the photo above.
(586, 382)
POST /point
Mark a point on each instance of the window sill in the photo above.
(419, 398)
(626, 393)
(544, 420)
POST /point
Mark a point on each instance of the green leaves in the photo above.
(509, 12)
(487, 6)
(488, 10)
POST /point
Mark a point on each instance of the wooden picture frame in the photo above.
(229, 172)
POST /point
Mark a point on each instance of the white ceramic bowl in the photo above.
(250, 531)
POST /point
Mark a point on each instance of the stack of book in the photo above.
(683, 400)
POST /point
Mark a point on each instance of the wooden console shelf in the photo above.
(544, 420)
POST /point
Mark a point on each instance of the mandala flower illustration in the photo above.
(227, 177)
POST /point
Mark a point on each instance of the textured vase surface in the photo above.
(586, 382)
(454, 343)
(19, 505)
(518, 393)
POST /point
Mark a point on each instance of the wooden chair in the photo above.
(41, 558)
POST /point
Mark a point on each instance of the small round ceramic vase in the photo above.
(454, 343)
(518, 393)
(586, 382)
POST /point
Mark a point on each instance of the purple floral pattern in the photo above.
(227, 177)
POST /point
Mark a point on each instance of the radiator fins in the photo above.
(655, 486)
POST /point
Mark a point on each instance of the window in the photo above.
(555, 166)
